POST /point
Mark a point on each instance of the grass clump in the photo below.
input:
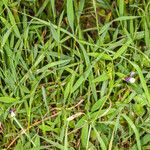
(75, 75)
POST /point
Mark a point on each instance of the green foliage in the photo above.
(65, 69)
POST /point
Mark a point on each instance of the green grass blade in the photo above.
(5, 37)
(143, 82)
(8, 99)
(98, 104)
(70, 13)
(137, 135)
(122, 50)
(54, 33)
(13, 23)
(84, 135)
(52, 64)
(83, 77)
(54, 144)
(100, 140)
(42, 7)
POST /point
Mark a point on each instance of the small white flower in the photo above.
(12, 114)
(132, 80)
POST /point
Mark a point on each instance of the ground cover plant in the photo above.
(75, 74)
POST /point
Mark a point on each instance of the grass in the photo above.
(63, 74)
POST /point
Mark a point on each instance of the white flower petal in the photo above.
(13, 114)
(132, 80)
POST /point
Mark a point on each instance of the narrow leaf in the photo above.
(122, 49)
(137, 135)
(70, 13)
(52, 64)
(5, 37)
(8, 99)
(13, 23)
(99, 104)
(84, 135)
